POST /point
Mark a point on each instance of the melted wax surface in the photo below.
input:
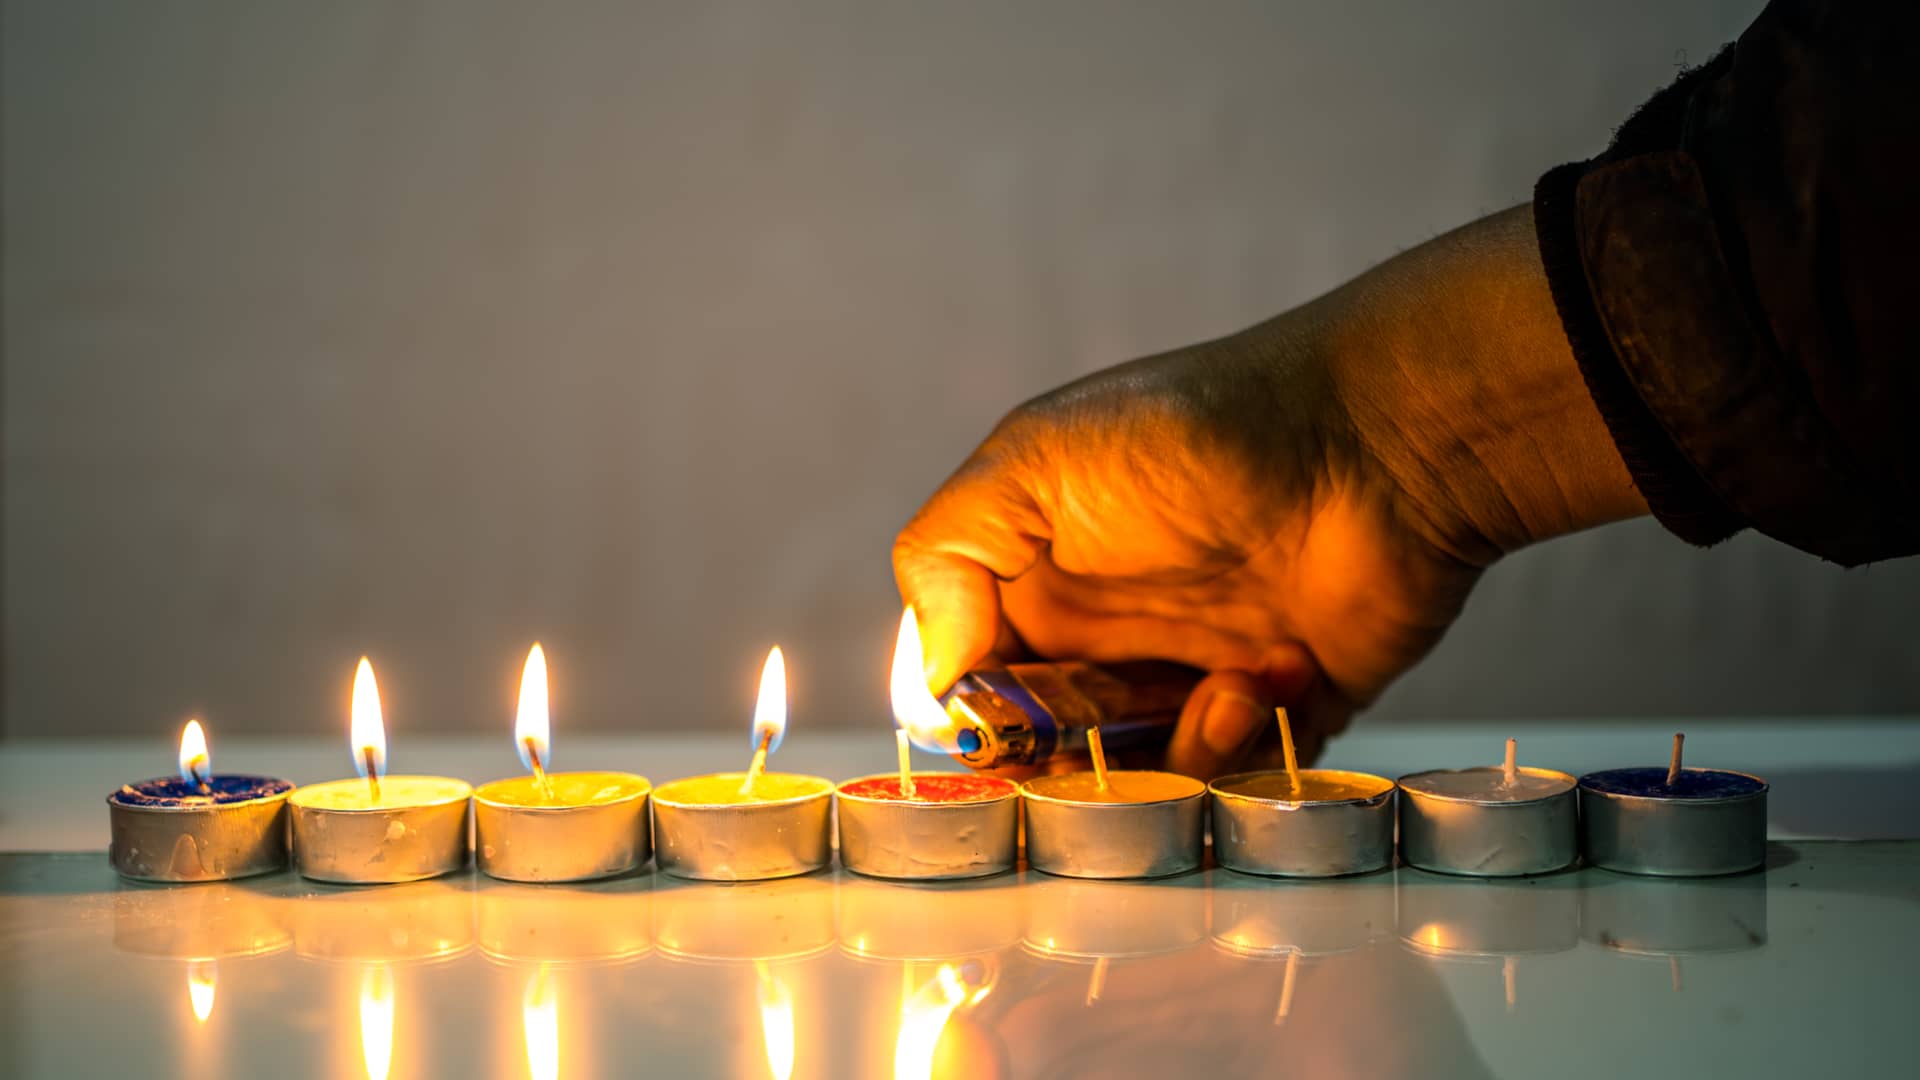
(1651, 781)
(940, 787)
(173, 791)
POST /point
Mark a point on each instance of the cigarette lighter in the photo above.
(1024, 714)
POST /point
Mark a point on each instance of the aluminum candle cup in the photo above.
(955, 826)
(1147, 824)
(416, 829)
(166, 830)
(1337, 823)
(595, 826)
(1468, 821)
(704, 828)
(1708, 821)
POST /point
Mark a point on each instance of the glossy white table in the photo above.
(1805, 969)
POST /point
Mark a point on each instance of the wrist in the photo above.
(1453, 365)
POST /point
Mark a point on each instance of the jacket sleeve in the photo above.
(1738, 277)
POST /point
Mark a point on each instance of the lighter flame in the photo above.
(202, 977)
(195, 762)
(776, 1022)
(532, 722)
(915, 708)
(369, 731)
(770, 711)
(923, 1018)
(540, 1016)
(376, 1021)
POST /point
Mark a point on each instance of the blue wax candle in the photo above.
(1650, 782)
(172, 792)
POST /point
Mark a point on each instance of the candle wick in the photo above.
(373, 774)
(1673, 770)
(539, 771)
(759, 764)
(1099, 755)
(1286, 748)
(1510, 771)
(906, 764)
(199, 775)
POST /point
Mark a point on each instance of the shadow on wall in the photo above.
(1848, 804)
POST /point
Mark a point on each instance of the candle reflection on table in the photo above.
(203, 977)
(776, 1020)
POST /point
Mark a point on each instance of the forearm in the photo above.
(1453, 367)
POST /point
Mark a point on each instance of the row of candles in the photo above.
(754, 825)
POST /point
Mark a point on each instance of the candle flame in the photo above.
(202, 977)
(196, 764)
(923, 1019)
(770, 711)
(540, 1017)
(776, 1022)
(915, 708)
(532, 723)
(376, 1021)
(368, 737)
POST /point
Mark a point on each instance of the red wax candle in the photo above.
(932, 788)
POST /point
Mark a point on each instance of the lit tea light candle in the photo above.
(747, 826)
(929, 826)
(1488, 821)
(1673, 821)
(199, 825)
(378, 829)
(552, 826)
(1302, 822)
(1120, 823)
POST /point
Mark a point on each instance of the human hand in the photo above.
(1301, 509)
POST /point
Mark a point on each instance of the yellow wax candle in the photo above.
(396, 793)
(570, 789)
(1123, 786)
(1316, 785)
(724, 789)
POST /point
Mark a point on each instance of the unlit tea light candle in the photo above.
(1114, 824)
(1302, 822)
(378, 829)
(557, 826)
(1673, 821)
(199, 825)
(1490, 821)
(747, 826)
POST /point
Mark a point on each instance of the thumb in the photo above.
(980, 528)
(1229, 710)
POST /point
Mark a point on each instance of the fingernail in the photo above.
(1224, 726)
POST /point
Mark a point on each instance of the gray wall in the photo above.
(427, 329)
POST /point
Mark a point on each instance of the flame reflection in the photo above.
(202, 977)
(376, 1020)
(540, 1016)
(915, 708)
(924, 1015)
(776, 1022)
